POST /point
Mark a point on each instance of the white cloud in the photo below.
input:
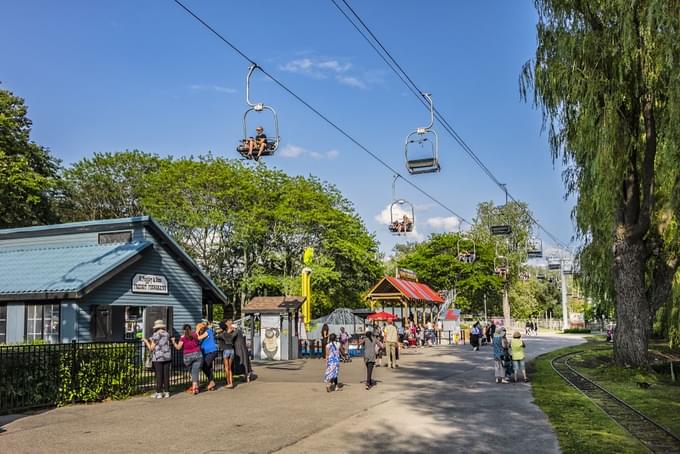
(295, 151)
(317, 68)
(444, 224)
(341, 70)
(292, 151)
(420, 207)
(351, 81)
(217, 88)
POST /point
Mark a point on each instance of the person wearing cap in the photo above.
(500, 347)
(260, 141)
(517, 346)
(161, 357)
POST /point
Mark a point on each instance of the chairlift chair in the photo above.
(501, 229)
(426, 158)
(466, 249)
(535, 248)
(501, 266)
(272, 142)
(554, 262)
(401, 226)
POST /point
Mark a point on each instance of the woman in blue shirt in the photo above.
(209, 350)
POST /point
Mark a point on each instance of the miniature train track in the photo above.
(652, 435)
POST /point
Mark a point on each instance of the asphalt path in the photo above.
(441, 399)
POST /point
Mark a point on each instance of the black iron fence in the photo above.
(37, 376)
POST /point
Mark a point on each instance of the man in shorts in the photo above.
(259, 142)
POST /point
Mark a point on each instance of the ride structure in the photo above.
(466, 249)
(400, 223)
(501, 228)
(535, 248)
(272, 144)
(501, 265)
(426, 158)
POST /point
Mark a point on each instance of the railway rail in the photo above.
(654, 436)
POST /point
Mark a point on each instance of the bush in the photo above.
(576, 331)
(102, 371)
(44, 375)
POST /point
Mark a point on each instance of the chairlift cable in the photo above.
(318, 113)
(415, 90)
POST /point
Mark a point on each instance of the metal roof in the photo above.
(85, 226)
(273, 304)
(416, 291)
(115, 224)
(62, 272)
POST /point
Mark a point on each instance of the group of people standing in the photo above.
(200, 348)
(508, 356)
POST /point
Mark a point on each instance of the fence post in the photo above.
(74, 367)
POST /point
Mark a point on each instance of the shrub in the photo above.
(102, 371)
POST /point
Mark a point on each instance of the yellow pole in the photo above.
(307, 287)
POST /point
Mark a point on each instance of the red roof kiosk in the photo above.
(405, 297)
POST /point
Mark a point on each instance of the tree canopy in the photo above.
(605, 75)
(247, 227)
(28, 172)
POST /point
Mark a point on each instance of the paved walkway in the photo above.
(441, 399)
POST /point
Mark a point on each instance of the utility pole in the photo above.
(563, 280)
(486, 318)
(506, 306)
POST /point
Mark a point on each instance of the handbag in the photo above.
(147, 362)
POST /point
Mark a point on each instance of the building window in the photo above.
(3, 324)
(115, 237)
(42, 322)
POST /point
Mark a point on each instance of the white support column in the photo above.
(565, 310)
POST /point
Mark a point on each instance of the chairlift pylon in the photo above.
(272, 143)
(423, 161)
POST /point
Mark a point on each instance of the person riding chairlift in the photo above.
(259, 142)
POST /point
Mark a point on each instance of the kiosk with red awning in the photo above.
(405, 298)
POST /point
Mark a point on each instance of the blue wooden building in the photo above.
(104, 280)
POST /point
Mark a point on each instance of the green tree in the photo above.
(508, 249)
(435, 262)
(106, 186)
(249, 227)
(525, 299)
(605, 75)
(28, 173)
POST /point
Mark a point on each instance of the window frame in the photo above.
(3, 323)
(40, 320)
(129, 238)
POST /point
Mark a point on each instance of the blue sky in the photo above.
(107, 76)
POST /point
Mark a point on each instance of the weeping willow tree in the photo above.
(606, 77)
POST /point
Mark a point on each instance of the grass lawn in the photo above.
(661, 401)
(580, 425)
